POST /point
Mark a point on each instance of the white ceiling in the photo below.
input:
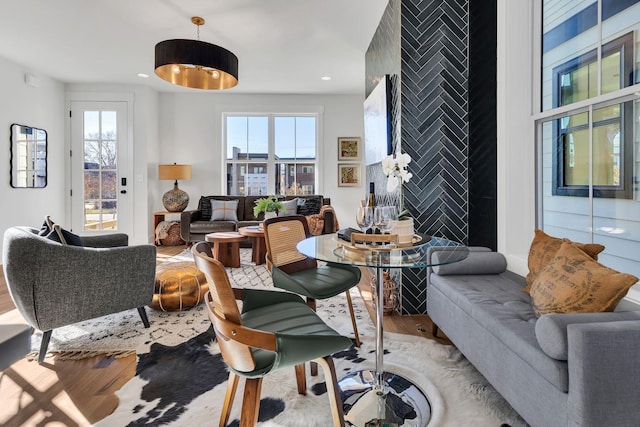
(283, 46)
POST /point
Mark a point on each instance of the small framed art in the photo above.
(349, 149)
(348, 175)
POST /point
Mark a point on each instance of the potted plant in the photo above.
(396, 171)
(269, 205)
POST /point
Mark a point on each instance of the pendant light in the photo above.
(196, 64)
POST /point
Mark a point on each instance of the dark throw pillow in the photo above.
(309, 206)
(205, 209)
(47, 227)
(60, 235)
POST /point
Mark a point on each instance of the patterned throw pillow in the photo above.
(205, 208)
(309, 206)
(224, 210)
(574, 283)
(290, 207)
(544, 248)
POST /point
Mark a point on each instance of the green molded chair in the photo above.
(294, 272)
(275, 330)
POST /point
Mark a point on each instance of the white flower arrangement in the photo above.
(396, 170)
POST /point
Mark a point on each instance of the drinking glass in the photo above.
(381, 219)
(364, 218)
(392, 215)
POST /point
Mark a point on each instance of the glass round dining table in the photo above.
(373, 397)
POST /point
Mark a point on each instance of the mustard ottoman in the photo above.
(179, 286)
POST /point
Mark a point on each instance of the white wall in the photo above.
(191, 133)
(41, 107)
(516, 152)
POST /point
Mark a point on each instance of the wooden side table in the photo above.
(258, 245)
(158, 217)
(226, 247)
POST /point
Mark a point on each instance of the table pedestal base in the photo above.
(399, 403)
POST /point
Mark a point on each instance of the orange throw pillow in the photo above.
(544, 248)
(574, 283)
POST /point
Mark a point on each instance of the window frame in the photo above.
(624, 45)
(270, 160)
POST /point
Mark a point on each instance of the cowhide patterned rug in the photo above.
(181, 378)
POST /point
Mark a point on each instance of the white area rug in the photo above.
(181, 379)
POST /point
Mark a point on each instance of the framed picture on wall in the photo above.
(349, 175)
(349, 148)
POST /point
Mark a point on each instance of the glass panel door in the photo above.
(99, 152)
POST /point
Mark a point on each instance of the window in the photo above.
(271, 154)
(605, 160)
(577, 79)
(611, 137)
(587, 127)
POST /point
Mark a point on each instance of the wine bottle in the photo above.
(371, 198)
(371, 202)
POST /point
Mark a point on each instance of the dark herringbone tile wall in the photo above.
(425, 46)
(435, 129)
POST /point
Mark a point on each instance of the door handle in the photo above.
(123, 191)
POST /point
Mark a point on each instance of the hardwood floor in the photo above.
(82, 392)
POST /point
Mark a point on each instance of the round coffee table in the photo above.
(258, 245)
(226, 247)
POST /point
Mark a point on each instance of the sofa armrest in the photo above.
(186, 218)
(111, 240)
(604, 373)
(551, 329)
(330, 223)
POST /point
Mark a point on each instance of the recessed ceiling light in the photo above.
(143, 75)
(325, 78)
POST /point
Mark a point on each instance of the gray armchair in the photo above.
(55, 285)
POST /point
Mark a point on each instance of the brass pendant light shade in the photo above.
(196, 64)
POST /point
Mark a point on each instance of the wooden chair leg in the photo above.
(331, 380)
(301, 379)
(232, 386)
(251, 402)
(353, 318)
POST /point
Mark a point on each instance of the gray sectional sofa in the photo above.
(556, 370)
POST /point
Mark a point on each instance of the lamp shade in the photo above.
(174, 172)
(196, 64)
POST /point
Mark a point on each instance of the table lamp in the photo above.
(175, 200)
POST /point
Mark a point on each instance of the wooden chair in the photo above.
(275, 330)
(294, 272)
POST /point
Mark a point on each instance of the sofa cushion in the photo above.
(224, 210)
(475, 263)
(205, 227)
(551, 329)
(498, 305)
(543, 249)
(574, 283)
